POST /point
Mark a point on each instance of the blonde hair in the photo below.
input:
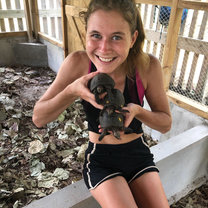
(137, 58)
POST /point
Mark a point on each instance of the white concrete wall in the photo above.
(183, 164)
(182, 120)
(7, 54)
(55, 55)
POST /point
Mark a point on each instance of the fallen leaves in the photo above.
(36, 162)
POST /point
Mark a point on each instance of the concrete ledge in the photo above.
(31, 54)
(183, 164)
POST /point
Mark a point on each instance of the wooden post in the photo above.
(64, 27)
(171, 42)
(35, 17)
(28, 20)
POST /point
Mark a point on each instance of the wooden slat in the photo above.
(202, 78)
(11, 20)
(158, 2)
(28, 20)
(203, 25)
(73, 10)
(175, 66)
(196, 5)
(2, 24)
(145, 15)
(60, 33)
(171, 42)
(11, 13)
(50, 39)
(183, 70)
(191, 74)
(19, 20)
(64, 28)
(188, 104)
(35, 18)
(13, 34)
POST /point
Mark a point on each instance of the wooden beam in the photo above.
(73, 10)
(188, 104)
(171, 42)
(158, 2)
(196, 5)
(50, 39)
(28, 20)
(12, 13)
(13, 34)
(35, 17)
(64, 28)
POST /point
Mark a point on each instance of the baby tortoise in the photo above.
(111, 116)
(112, 121)
(101, 84)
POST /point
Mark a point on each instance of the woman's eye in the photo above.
(97, 36)
(116, 37)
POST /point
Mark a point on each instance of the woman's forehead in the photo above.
(111, 20)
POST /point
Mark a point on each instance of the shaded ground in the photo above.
(36, 162)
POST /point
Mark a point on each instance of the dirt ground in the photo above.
(37, 162)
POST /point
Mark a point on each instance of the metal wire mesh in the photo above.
(190, 70)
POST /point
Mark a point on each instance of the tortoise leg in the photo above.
(104, 133)
(116, 134)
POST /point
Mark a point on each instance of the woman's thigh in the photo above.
(114, 193)
(148, 191)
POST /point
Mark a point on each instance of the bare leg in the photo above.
(114, 193)
(148, 191)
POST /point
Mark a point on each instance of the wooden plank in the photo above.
(64, 28)
(171, 42)
(175, 66)
(191, 74)
(35, 18)
(202, 78)
(12, 13)
(28, 20)
(158, 2)
(193, 24)
(50, 39)
(13, 34)
(50, 13)
(183, 70)
(145, 15)
(60, 32)
(2, 24)
(11, 20)
(53, 28)
(19, 20)
(188, 104)
(73, 10)
(203, 25)
(196, 5)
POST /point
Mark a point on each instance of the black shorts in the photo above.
(105, 161)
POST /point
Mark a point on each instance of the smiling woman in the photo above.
(118, 172)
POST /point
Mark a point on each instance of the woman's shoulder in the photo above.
(154, 62)
(77, 58)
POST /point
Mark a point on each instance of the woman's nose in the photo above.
(105, 45)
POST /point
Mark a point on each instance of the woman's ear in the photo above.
(134, 37)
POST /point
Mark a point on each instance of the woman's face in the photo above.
(108, 40)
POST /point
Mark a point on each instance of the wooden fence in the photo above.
(181, 47)
(39, 18)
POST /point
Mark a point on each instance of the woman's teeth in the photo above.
(105, 59)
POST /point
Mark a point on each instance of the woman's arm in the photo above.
(159, 118)
(70, 83)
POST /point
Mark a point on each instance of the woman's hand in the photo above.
(80, 89)
(129, 116)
